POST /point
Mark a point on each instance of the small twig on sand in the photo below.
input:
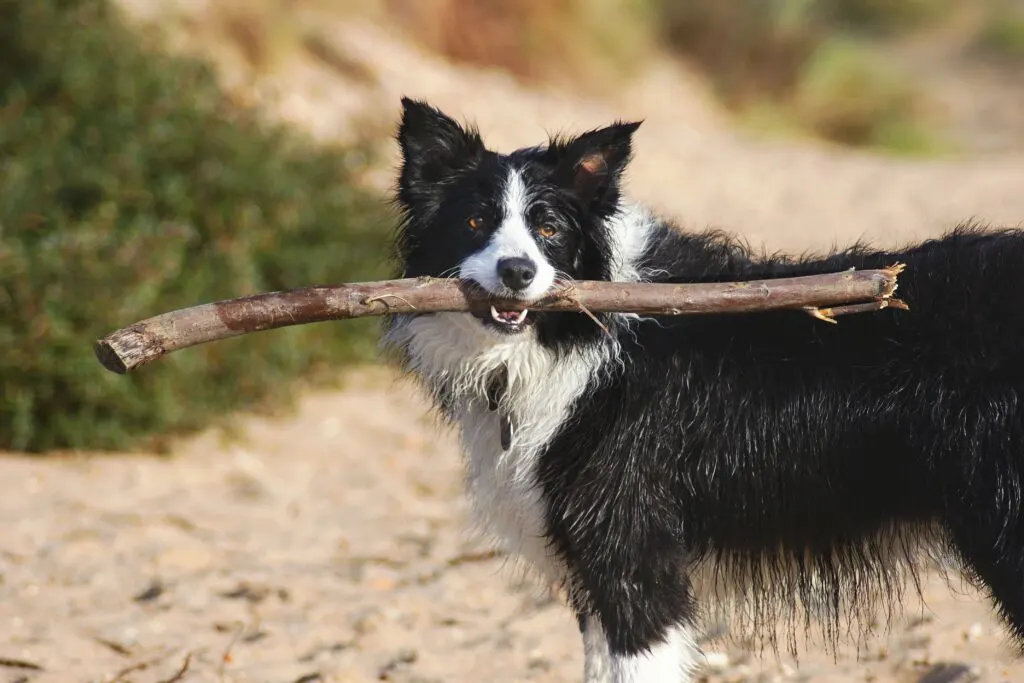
(401, 658)
(180, 673)
(123, 674)
(226, 657)
(11, 663)
(114, 646)
(146, 340)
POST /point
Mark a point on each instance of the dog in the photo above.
(662, 469)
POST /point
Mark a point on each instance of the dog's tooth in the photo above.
(494, 314)
(522, 316)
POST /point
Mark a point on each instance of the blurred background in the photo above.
(156, 154)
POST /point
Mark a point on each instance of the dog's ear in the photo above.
(592, 164)
(433, 146)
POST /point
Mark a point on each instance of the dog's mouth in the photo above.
(505, 321)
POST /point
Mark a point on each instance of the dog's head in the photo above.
(514, 224)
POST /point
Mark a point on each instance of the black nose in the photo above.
(517, 273)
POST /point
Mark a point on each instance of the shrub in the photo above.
(885, 17)
(815, 62)
(852, 96)
(751, 49)
(1003, 34)
(131, 186)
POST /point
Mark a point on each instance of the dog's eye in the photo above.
(475, 222)
(547, 231)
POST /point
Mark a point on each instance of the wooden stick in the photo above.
(829, 314)
(133, 346)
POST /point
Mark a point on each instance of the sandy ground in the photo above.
(332, 546)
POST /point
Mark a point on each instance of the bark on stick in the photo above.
(823, 296)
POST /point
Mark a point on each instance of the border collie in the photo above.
(664, 468)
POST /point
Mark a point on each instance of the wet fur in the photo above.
(778, 468)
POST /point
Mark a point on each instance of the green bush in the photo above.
(1003, 34)
(758, 48)
(885, 17)
(751, 49)
(130, 186)
(815, 62)
(851, 95)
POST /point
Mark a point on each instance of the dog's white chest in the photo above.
(454, 351)
(503, 485)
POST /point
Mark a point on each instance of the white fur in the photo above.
(671, 661)
(629, 229)
(512, 238)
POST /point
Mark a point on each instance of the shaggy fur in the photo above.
(768, 465)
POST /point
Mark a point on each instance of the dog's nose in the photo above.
(517, 273)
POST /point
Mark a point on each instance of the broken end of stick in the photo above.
(893, 273)
(108, 357)
(830, 314)
(898, 303)
(127, 349)
(823, 314)
(895, 269)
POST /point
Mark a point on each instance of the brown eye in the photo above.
(547, 231)
(475, 223)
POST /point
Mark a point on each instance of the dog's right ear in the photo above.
(433, 145)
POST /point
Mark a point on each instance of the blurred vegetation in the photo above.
(813, 64)
(132, 185)
(588, 41)
(828, 68)
(1003, 33)
(852, 96)
(818, 66)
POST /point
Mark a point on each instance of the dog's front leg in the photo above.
(597, 662)
(669, 661)
(636, 609)
(616, 528)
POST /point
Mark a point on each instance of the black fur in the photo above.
(800, 462)
(758, 442)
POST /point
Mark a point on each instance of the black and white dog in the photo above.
(769, 464)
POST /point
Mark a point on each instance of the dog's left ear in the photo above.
(592, 163)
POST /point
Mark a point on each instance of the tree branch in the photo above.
(823, 296)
